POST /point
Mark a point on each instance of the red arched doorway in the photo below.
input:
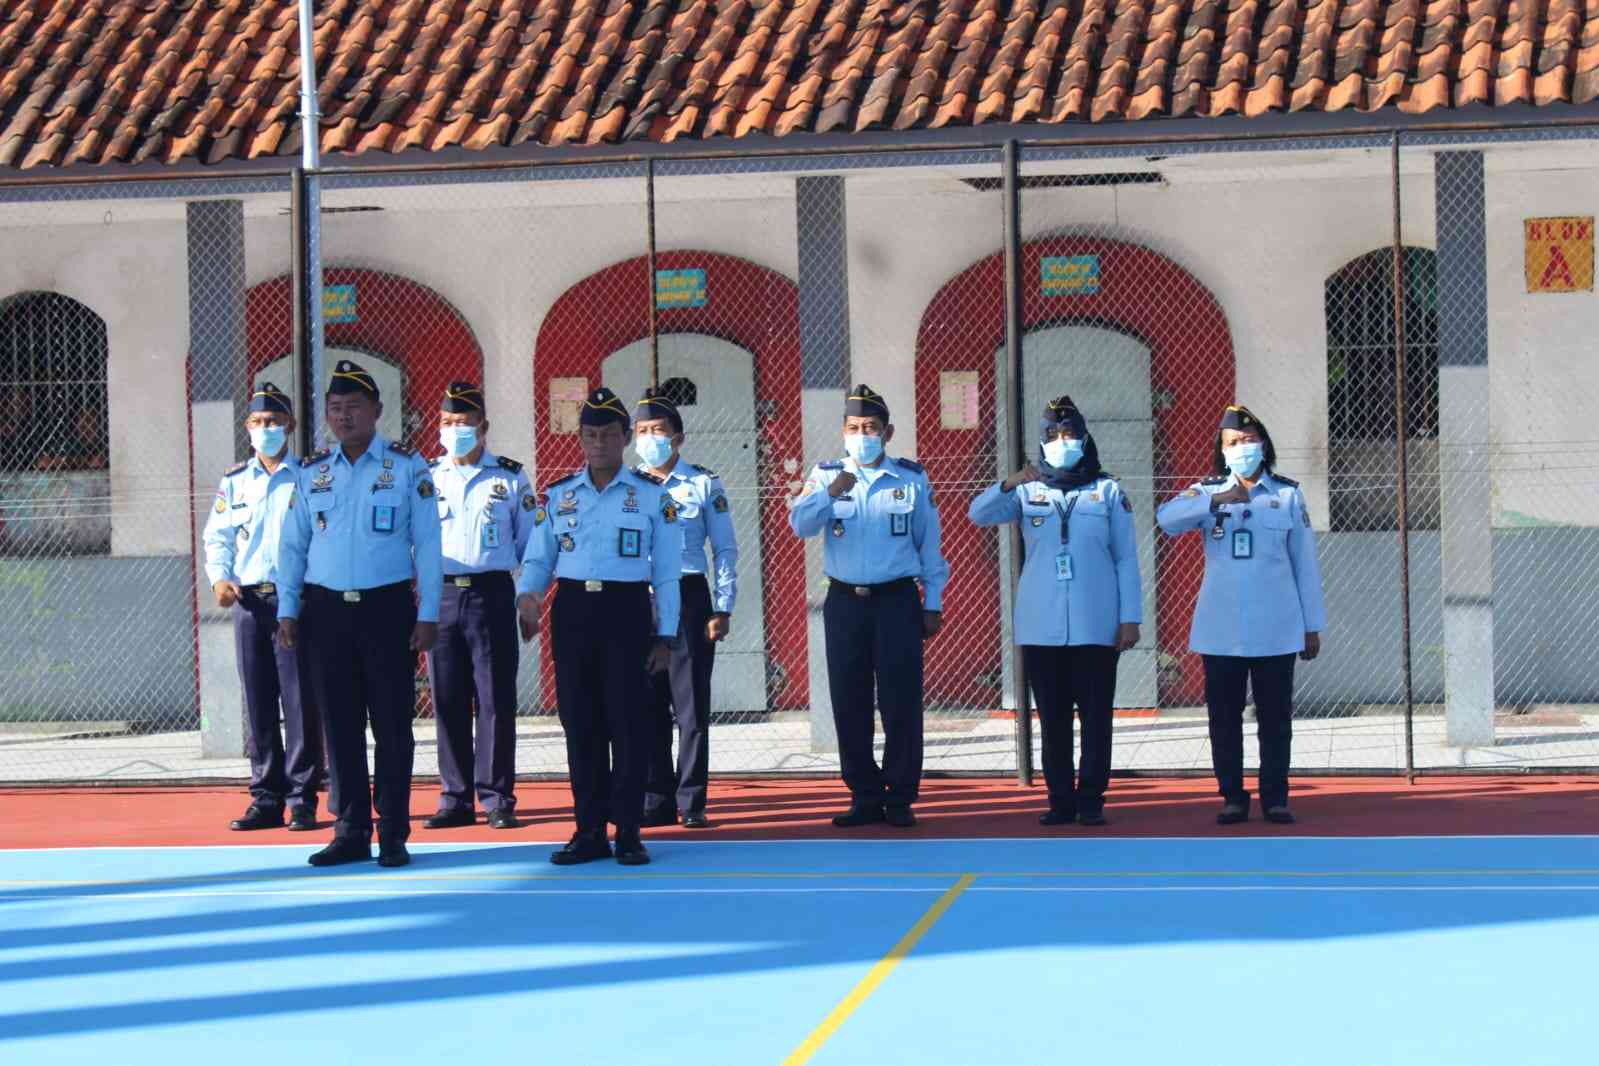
(746, 306)
(1140, 293)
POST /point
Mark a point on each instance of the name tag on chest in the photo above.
(1243, 544)
(383, 519)
(899, 524)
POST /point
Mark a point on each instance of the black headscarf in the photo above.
(1059, 412)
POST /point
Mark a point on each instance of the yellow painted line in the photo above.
(877, 974)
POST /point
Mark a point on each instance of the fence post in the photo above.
(1403, 471)
(649, 286)
(1018, 419)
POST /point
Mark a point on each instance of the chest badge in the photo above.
(500, 491)
(899, 494)
(838, 527)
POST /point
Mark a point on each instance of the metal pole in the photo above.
(310, 229)
(299, 392)
(649, 238)
(1017, 417)
(1402, 433)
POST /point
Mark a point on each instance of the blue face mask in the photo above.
(268, 440)
(1244, 459)
(1063, 453)
(863, 447)
(653, 448)
(458, 440)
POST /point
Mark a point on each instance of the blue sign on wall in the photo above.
(338, 303)
(680, 288)
(1069, 275)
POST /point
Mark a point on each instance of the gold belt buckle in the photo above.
(352, 596)
(593, 586)
(462, 581)
(863, 592)
(266, 588)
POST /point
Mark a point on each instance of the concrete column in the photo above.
(1466, 488)
(824, 375)
(216, 384)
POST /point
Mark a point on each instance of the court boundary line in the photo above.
(877, 974)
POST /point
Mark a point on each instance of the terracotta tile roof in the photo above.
(131, 81)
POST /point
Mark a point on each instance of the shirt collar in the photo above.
(467, 471)
(373, 449)
(258, 468)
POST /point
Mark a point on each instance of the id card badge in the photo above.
(1063, 566)
(1243, 544)
(899, 524)
(383, 519)
(491, 534)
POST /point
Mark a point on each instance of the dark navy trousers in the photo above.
(363, 669)
(600, 641)
(1064, 677)
(286, 764)
(681, 698)
(1271, 679)
(874, 656)
(472, 672)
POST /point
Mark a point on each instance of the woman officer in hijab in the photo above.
(1079, 602)
(1260, 605)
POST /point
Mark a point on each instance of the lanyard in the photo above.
(1065, 517)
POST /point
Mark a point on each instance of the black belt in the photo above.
(265, 588)
(487, 577)
(599, 586)
(868, 591)
(319, 592)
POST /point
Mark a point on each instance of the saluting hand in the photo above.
(843, 483)
(1023, 476)
(1312, 646)
(423, 636)
(227, 593)
(527, 617)
(1236, 494)
(660, 657)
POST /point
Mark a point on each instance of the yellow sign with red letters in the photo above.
(1559, 254)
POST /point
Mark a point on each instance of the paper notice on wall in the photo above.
(957, 399)
(566, 403)
(1559, 254)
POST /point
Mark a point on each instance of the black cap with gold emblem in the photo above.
(602, 408)
(865, 403)
(350, 377)
(656, 404)
(462, 398)
(269, 398)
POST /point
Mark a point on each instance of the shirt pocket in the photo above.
(1276, 523)
(324, 509)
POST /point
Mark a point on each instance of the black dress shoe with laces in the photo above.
(1054, 817)
(451, 819)
(393, 853)
(1279, 815)
(1092, 818)
(899, 816)
(630, 849)
(341, 851)
(302, 820)
(695, 820)
(858, 814)
(1233, 813)
(503, 818)
(258, 817)
(583, 847)
(658, 818)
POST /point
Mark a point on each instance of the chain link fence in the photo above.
(1157, 284)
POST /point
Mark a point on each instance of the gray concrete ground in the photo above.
(1544, 737)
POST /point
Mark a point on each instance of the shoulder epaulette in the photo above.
(654, 479)
(510, 464)
(911, 464)
(708, 472)
(235, 468)
(1290, 482)
(562, 480)
(1214, 481)
(396, 446)
(836, 464)
(316, 457)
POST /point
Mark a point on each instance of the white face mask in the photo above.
(458, 440)
(863, 447)
(653, 448)
(1063, 453)
(267, 440)
(1244, 459)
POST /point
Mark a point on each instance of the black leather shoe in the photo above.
(583, 847)
(302, 819)
(503, 818)
(1279, 815)
(1233, 813)
(630, 849)
(1091, 818)
(899, 816)
(660, 816)
(258, 817)
(342, 850)
(393, 853)
(695, 820)
(1054, 817)
(451, 819)
(858, 814)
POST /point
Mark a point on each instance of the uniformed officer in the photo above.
(486, 511)
(683, 693)
(241, 561)
(1260, 604)
(606, 536)
(882, 538)
(362, 525)
(1079, 602)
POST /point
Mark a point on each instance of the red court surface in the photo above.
(744, 809)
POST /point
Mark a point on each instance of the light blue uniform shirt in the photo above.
(485, 513)
(630, 531)
(362, 525)
(1262, 587)
(1082, 598)
(703, 512)
(883, 529)
(241, 536)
